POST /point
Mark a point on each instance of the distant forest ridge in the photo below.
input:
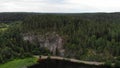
(15, 16)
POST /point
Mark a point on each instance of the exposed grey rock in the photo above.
(52, 42)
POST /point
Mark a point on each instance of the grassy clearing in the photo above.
(3, 26)
(19, 63)
(3, 29)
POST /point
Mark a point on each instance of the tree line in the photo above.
(94, 37)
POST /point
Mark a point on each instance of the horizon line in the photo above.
(58, 12)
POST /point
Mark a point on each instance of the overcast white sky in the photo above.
(60, 6)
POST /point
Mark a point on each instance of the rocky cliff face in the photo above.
(52, 42)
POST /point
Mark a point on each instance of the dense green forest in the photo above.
(93, 37)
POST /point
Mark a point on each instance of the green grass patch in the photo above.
(3, 29)
(3, 26)
(19, 63)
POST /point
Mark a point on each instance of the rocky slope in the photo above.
(52, 42)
